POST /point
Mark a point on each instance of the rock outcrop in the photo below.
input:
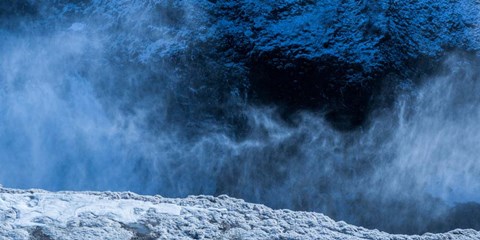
(38, 214)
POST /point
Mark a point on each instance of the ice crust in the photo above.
(38, 214)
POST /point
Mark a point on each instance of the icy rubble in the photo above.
(38, 214)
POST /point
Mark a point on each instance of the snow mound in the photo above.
(38, 214)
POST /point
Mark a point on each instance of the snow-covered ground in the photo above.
(38, 214)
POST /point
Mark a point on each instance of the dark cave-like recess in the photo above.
(339, 89)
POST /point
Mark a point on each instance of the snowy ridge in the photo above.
(38, 214)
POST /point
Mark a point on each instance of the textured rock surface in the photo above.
(37, 214)
(371, 34)
(340, 55)
(302, 54)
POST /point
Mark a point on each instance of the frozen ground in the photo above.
(38, 214)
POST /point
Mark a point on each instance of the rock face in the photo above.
(37, 214)
(303, 54)
(336, 55)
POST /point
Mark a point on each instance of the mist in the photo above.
(78, 112)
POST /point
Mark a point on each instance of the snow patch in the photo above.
(62, 208)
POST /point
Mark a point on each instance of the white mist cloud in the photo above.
(436, 141)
